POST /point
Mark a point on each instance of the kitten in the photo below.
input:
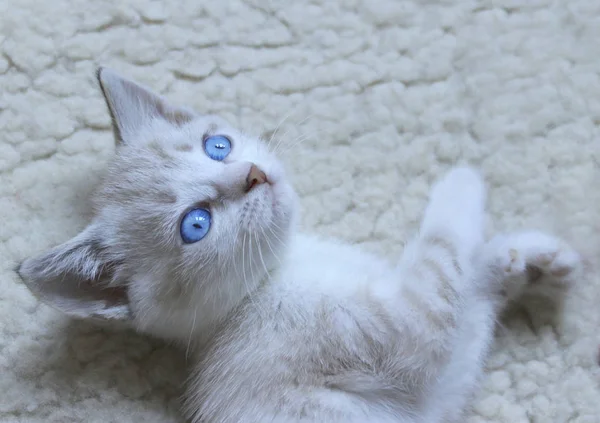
(194, 240)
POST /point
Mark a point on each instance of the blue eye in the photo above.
(195, 225)
(217, 147)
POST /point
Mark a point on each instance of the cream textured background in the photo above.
(388, 94)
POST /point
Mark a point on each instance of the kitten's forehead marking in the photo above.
(166, 197)
(184, 147)
(212, 128)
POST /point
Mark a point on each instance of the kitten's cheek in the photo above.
(285, 201)
(275, 174)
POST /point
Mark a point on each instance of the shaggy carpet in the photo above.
(373, 99)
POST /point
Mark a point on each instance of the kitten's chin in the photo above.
(268, 206)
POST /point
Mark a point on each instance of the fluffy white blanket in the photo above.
(380, 97)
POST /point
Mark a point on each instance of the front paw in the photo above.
(535, 261)
(547, 256)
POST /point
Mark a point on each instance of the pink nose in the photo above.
(255, 177)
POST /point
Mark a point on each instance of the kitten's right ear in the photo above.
(133, 106)
(76, 277)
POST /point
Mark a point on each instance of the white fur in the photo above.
(287, 327)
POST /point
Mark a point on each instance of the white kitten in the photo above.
(193, 240)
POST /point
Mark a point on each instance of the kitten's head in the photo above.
(190, 217)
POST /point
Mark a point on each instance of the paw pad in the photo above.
(546, 259)
(534, 274)
(562, 271)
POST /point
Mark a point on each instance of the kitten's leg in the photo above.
(436, 272)
(508, 266)
(454, 390)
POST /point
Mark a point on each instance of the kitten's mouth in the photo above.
(264, 198)
(265, 193)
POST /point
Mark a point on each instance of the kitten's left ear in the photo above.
(133, 106)
(75, 278)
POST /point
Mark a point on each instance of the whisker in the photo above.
(250, 254)
(275, 224)
(233, 253)
(250, 257)
(282, 138)
(263, 260)
(187, 350)
(270, 247)
(276, 236)
(299, 140)
(244, 267)
(278, 126)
